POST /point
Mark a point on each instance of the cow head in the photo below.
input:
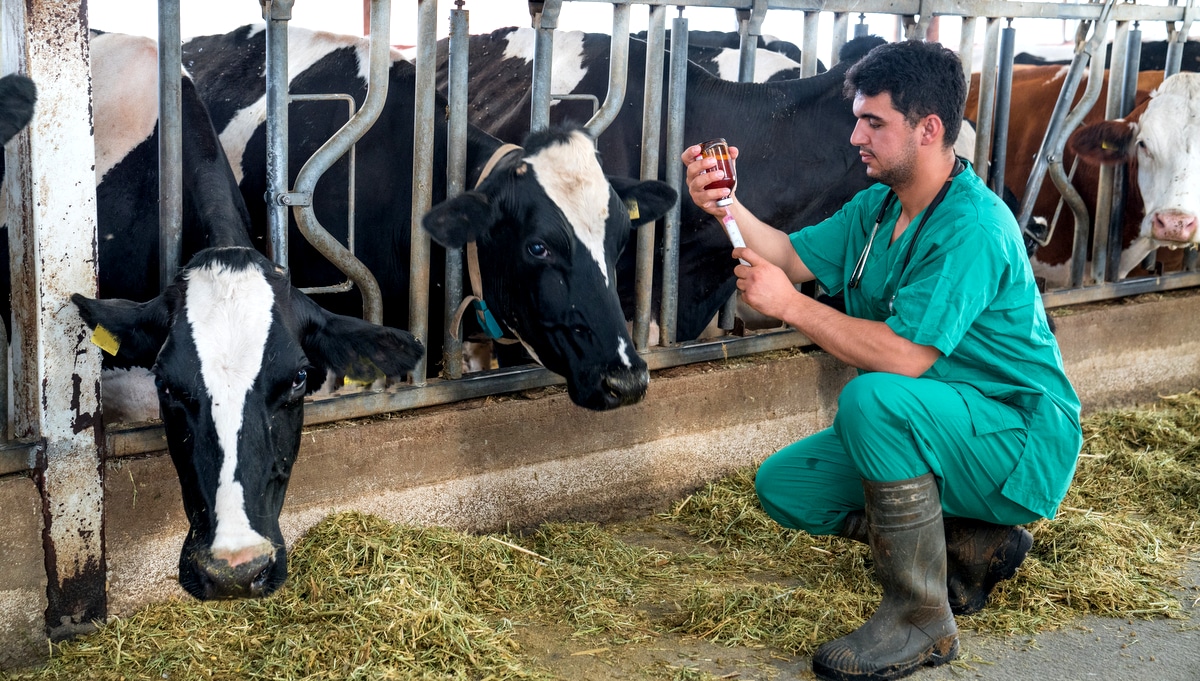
(234, 350)
(549, 227)
(1161, 142)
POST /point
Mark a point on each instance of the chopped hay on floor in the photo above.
(374, 600)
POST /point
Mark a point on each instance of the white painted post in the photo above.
(52, 243)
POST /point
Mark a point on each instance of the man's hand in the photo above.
(764, 286)
(698, 177)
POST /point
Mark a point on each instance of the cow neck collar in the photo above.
(473, 252)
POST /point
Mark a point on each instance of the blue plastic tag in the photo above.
(486, 321)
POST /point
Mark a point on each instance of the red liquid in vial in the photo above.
(719, 150)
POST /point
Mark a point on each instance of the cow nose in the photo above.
(245, 579)
(626, 386)
(1174, 225)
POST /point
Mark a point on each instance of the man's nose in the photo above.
(857, 137)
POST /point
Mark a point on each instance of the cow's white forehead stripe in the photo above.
(623, 353)
(305, 48)
(229, 312)
(571, 176)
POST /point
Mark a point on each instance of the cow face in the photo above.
(234, 350)
(1163, 147)
(550, 226)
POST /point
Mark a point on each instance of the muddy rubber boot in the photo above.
(979, 555)
(913, 626)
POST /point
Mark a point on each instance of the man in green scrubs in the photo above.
(961, 424)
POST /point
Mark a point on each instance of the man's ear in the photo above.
(352, 347)
(460, 220)
(932, 128)
(131, 333)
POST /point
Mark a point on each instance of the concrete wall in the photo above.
(519, 460)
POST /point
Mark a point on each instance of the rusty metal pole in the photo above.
(52, 240)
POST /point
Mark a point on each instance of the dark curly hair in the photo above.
(922, 78)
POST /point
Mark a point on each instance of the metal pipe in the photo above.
(456, 179)
(1008, 38)
(333, 149)
(170, 143)
(1055, 128)
(841, 27)
(424, 117)
(277, 14)
(651, 142)
(545, 20)
(618, 69)
(749, 23)
(1090, 94)
(987, 99)
(966, 46)
(1107, 174)
(676, 123)
(1133, 57)
(808, 58)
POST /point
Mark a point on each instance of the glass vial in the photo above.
(719, 149)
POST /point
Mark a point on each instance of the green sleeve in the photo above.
(823, 247)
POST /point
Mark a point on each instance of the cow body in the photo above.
(233, 348)
(548, 224)
(1152, 57)
(796, 168)
(1160, 144)
(1034, 92)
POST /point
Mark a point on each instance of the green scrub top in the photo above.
(968, 291)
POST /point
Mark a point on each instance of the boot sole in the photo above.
(1003, 567)
(891, 672)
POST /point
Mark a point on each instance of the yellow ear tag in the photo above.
(1107, 146)
(632, 205)
(105, 340)
(357, 382)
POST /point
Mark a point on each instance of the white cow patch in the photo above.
(230, 315)
(305, 48)
(125, 109)
(566, 70)
(1168, 174)
(571, 177)
(767, 63)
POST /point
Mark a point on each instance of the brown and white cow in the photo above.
(1160, 143)
(1034, 92)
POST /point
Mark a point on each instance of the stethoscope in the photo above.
(856, 275)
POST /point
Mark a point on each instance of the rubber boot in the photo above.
(913, 626)
(980, 554)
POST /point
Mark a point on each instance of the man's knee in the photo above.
(868, 397)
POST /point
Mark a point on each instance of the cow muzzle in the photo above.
(1174, 226)
(243, 574)
(623, 387)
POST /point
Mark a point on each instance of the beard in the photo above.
(901, 171)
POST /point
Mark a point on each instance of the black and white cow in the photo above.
(797, 165)
(548, 224)
(232, 346)
(1152, 57)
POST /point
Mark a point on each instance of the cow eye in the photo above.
(161, 385)
(538, 250)
(301, 380)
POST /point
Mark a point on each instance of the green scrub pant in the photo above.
(890, 427)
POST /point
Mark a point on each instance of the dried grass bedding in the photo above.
(368, 599)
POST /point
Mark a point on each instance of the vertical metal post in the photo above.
(170, 143)
(808, 58)
(966, 46)
(52, 243)
(1107, 177)
(277, 14)
(1177, 36)
(545, 20)
(861, 30)
(651, 141)
(1133, 57)
(456, 178)
(1008, 37)
(987, 99)
(749, 30)
(422, 180)
(841, 27)
(676, 122)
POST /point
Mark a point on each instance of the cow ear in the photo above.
(352, 347)
(131, 333)
(1105, 142)
(647, 200)
(460, 220)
